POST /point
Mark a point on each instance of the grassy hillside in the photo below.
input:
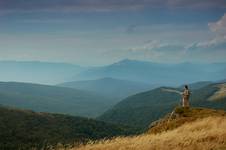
(220, 94)
(180, 116)
(23, 129)
(156, 103)
(53, 99)
(204, 97)
(205, 132)
(109, 87)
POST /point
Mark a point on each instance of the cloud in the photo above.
(167, 52)
(154, 50)
(212, 50)
(212, 43)
(104, 5)
(156, 46)
(219, 27)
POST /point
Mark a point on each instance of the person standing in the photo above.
(185, 97)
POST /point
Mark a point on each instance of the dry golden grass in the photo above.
(182, 116)
(203, 134)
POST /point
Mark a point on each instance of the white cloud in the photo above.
(157, 46)
(156, 50)
(212, 43)
(213, 50)
(219, 27)
(149, 45)
(202, 45)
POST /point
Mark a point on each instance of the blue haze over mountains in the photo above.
(140, 71)
(37, 72)
(113, 88)
(157, 73)
(90, 91)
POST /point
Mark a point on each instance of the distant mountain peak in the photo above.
(107, 78)
(131, 62)
(124, 61)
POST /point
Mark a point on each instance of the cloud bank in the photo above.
(219, 29)
(212, 50)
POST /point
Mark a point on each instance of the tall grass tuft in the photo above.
(203, 134)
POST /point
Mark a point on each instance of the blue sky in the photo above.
(97, 32)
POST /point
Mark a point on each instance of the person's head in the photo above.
(186, 86)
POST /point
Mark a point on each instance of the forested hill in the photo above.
(53, 99)
(24, 129)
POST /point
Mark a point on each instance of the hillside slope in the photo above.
(205, 131)
(109, 87)
(24, 130)
(180, 116)
(156, 103)
(53, 99)
(153, 104)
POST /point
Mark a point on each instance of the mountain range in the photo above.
(156, 73)
(53, 99)
(110, 87)
(131, 70)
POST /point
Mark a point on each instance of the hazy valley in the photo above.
(118, 108)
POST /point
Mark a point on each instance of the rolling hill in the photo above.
(193, 129)
(156, 73)
(37, 72)
(53, 99)
(155, 103)
(25, 130)
(109, 87)
(198, 85)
